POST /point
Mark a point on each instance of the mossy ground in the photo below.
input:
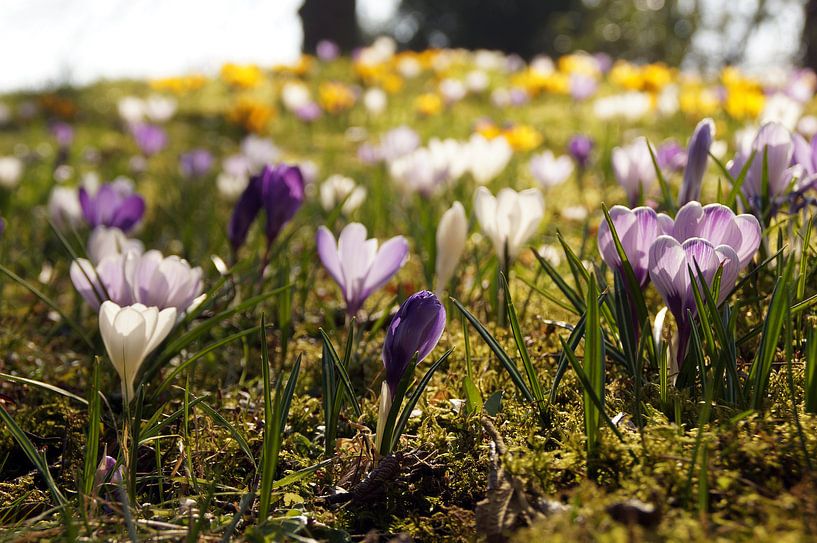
(756, 485)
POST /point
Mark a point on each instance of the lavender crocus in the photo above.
(671, 157)
(279, 190)
(580, 147)
(582, 87)
(195, 163)
(327, 50)
(356, 264)
(415, 329)
(634, 169)
(63, 133)
(670, 264)
(114, 204)
(697, 157)
(637, 229)
(805, 153)
(775, 141)
(150, 138)
(719, 225)
(131, 277)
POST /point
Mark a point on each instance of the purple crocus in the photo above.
(63, 133)
(633, 168)
(671, 157)
(805, 153)
(696, 159)
(636, 229)
(309, 112)
(195, 163)
(580, 147)
(279, 190)
(670, 264)
(719, 225)
(775, 141)
(150, 138)
(108, 472)
(415, 329)
(114, 204)
(327, 50)
(582, 87)
(356, 264)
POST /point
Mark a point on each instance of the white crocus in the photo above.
(451, 235)
(487, 158)
(64, 208)
(550, 170)
(375, 101)
(509, 219)
(11, 170)
(295, 95)
(105, 241)
(160, 109)
(130, 334)
(339, 188)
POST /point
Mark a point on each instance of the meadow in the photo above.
(488, 300)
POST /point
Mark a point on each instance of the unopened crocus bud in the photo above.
(580, 147)
(105, 241)
(195, 163)
(697, 157)
(279, 190)
(451, 235)
(107, 472)
(416, 328)
(150, 138)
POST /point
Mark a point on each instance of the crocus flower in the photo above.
(488, 157)
(670, 156)
(309, 112)
(105, 473)
(165, 281)
(338, 188)
(356, 264)
(451, 235)
(130, 334)
(327, 50)
(114, 204)
(775, 141)
(131, 277)
(719, 225)
(279, 190)
(11, 170)
(636, 229)
(259, 151)
(63, 133)
(375, 100)
(105, 241)
(582, 86)
(634, 169)
(670, 264)
(550, 170)
(697, 157)
(150, 138)
(416, 328)
(397, 142)
(509, 219)
(420, 171)
(580, 147)
(64, 208)
(195, 163)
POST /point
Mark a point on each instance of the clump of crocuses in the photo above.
(356, 264)
(279, 190)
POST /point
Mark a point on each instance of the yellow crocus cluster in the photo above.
(245, 76)
(179, 85)
(428, 104)
(335, 97)
(521, 137)
(744, 95)
(253, 115)
(649, 78)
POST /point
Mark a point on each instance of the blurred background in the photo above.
(56, 42)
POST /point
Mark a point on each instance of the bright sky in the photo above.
(44, 42)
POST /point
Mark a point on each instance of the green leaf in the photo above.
(92, 436)
(497, 349)
(412, 401)
(533, 378)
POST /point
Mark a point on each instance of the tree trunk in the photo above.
(334, 20)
